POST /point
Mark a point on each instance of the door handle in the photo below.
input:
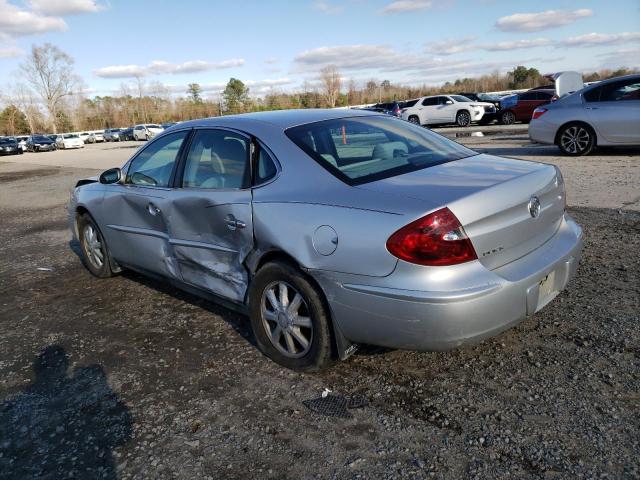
(233, 223)
(152, 209)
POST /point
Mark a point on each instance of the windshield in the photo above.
(71, 135)
(487, 97)
(364, 149)
(151, 125)
(40, 138)
(460, 98)
(5, 141)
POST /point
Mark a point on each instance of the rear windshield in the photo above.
(358, 150)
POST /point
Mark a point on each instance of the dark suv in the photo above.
(520, 107)
(488, 117)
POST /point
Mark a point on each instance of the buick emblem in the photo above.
(534, 206)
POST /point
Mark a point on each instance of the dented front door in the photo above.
(211, 235)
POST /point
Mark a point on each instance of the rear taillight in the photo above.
(437, 239)
(538, 112)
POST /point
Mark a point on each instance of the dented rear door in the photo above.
(211, 235)
(210, 224)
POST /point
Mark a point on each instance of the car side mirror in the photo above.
(113, 175)
(448, 102)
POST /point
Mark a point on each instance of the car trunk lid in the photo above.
(491, 197)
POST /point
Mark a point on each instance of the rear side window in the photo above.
(363, 149)
(154, 165)
(544, 95)
(430, 101)
(621, 91)
(410, 103)
(266, 168)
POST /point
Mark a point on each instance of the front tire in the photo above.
(576, 139)
(289, 318)
(95, 254)
(463, 118)
(414, 119)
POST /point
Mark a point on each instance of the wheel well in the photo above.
(463, 110)
(280, 256)
(276, 256)
(80, 210)
(576, 122)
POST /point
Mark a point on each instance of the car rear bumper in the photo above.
(440, 308)
(542, 132)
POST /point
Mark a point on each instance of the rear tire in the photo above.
(463, 118)
(576, 139)
(95, 253)
(414, 119)
(507, 118)
(289, 318)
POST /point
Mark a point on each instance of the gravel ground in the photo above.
(126, 378)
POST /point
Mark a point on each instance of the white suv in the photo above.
(146, 131)
(442, 109)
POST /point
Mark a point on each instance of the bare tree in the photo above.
(49, 71)
(24, 99)
(331, 81)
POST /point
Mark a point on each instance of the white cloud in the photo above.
(327, 8)
(159, 67)
(404, 6)
(517, 44)
(451, 46)
(65, 7)
(361, 57)
(17, 22)
(595, 39)
(535, 22)
(629, 58)
(9, 51)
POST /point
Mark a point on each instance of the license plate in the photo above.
(546, 288)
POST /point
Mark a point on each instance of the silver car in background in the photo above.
(334, 228)
(606, 113)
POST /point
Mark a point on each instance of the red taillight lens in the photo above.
(538, 112)
(437, 239)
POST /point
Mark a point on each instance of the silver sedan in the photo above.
(603, 114)
(335, 228)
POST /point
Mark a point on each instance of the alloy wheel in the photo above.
(508, 118)
(464, 119)
(92, 246)
(286, 319)
(575, 139)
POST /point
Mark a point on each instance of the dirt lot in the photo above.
(125, 378)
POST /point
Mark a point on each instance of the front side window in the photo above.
(153, 166)
(364, 149)
(217, 159)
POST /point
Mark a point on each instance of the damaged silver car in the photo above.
(334, 228)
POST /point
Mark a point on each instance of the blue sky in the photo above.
(281, 44)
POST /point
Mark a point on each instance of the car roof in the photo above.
(279, 118)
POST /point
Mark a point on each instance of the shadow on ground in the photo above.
(61, 425)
